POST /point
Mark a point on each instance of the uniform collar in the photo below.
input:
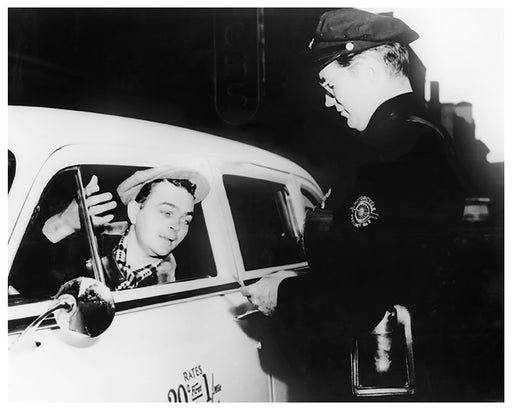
(396, 107)
(381, 128)
(388, 135)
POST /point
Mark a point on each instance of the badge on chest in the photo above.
(363, 212)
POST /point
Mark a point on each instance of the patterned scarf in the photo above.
(131, 278)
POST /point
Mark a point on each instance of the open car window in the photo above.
(265, 225)
(40, 266)
(193, 256)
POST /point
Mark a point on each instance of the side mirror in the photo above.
(90, 307)
(83, 306)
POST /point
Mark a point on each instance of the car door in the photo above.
(173, 342)
(266, 211)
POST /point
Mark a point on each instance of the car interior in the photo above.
(189, 265)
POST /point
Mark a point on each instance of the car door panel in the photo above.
(144, 355)
(180, 342)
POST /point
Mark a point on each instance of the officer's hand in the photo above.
(67, 222)
(263, 294)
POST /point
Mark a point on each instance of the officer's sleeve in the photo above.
(324, 303)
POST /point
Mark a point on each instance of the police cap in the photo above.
(350, 31)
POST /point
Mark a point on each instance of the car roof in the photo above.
(45, 130)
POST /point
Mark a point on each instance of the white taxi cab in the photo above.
(183, 341)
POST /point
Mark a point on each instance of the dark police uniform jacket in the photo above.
(389, 242)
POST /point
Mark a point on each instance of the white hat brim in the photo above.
(131, 186)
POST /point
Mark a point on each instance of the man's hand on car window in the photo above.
(67, 222)
(97, 204)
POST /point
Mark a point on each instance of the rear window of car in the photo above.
(264, 221)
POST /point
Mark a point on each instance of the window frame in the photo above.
(19, 299)
(310, 191)
(255, 171)
(91, 154)
(89, 170)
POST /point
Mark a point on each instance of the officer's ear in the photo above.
(377, 70)
(370, 70)
(133, 210)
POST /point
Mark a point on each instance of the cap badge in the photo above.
(363, 212)
(349, 46)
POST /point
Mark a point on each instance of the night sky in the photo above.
(197, 68)
(237, 73)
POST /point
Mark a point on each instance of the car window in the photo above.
(193, 256)
(311, 201)
(266, 228)
(11, 171)
(40, 266)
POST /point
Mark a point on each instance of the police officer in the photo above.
(389, 241)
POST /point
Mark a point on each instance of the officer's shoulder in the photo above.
(421, 127)
(429, 138)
